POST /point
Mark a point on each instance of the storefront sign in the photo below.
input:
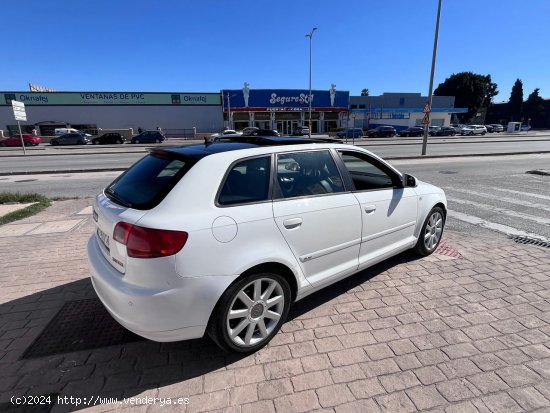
(110, 98)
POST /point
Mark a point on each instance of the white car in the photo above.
(222, 238)
(227, 133)
(473, 130)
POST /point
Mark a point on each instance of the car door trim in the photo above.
(388, 231)
(330, 250)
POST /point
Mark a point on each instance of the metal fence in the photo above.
(180, 133)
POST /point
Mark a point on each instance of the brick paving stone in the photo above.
(274, 388)
(297, 402)
(302, 349)
(385, 335)
(529, 398)
(429, 375)
(395, 402)
(399, 381)
(380, 367)
(316, 362)
(243, 394)
(358, 406)
(518, 376)
(348, 356)
(264, 406)
(311, 380)
(454, 390)
(487, 362)
(403, 346)
(327, 344)
(425, 397)
(365, 389)
(279, 369)
(460, 350)
(347, 373)
(501, 403)
(542, 367)
(378, 351)
(357, 339)
(464, 407)
(334, 395)
(488, 383)
(407, 362)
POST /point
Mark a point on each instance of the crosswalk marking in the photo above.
(511, 191)
(515, 201)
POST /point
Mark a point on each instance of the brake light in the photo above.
(144, 242)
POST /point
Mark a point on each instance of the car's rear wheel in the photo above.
(119, 141)
(250, 312)
(55, 143)
(136, 140)
(431, 232)
(95, 142)
(158, 141)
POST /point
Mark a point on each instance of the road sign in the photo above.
(426, 119)
(19, 110)
(427, 108)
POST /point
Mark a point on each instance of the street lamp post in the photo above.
(427, 126)
(229, 120)
(310, 35)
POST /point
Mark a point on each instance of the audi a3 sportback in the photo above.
(221, 238)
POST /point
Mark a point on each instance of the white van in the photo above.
(63, 131)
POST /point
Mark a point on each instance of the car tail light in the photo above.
(144, 242)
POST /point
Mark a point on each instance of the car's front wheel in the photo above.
(250, 312)
(431, 232)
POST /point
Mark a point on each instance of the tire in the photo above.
(95, 142)
(482, 133)
(136, 141)
(54, 143)
(431, 232)
(158, 141)
(247, 335)
(119, 141)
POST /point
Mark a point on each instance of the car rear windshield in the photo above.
(145, 184)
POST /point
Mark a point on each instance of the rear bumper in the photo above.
(167, 313)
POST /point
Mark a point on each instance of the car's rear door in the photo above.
(388, 210)
(320, 221)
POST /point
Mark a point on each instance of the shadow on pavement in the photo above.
(133, 368)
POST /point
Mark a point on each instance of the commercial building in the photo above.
(284, 109)
(401, 110)
(91, 111)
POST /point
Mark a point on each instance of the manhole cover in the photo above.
(79, 325)
(447, 250)
(448, 172)
(529, 241)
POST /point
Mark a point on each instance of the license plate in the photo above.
(104, 238)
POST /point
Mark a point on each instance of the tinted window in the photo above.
(148, 181)
(364, 173)
(307, 173)
(247, 181)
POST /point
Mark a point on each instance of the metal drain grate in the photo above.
(79, 325)
(520, 239)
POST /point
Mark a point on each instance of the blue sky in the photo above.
(208, 45)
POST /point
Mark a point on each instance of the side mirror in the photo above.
(409, 181)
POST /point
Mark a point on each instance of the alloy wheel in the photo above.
(433, 231)
(255, 312)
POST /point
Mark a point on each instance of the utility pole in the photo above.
(310, 35)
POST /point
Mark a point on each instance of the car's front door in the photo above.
(388, 209)
(319, 220)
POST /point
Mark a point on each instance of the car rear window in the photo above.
(146, 183)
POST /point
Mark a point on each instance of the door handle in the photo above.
(292, 223)
(369, 209)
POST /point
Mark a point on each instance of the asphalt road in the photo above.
(118, 157)
(486, 195)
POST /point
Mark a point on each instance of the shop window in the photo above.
(176, 99)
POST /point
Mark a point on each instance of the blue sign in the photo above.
(279, 99)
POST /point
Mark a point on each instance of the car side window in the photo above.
(364, 174)
(247, 181)
(307, 173)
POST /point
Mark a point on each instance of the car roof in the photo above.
(202, 150)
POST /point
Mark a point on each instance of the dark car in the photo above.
(70, 139)
(444, 131)
(490, 128)
(148, 137)
(300, 131)
(111, 137)
(263, 132)
(350, 133)
(413, 131)
(382, 132)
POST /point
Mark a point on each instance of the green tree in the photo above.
(364, 92)
(471, 90)
(515, 104)
(533, 109)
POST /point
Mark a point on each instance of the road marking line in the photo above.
(504, 229)
(543, 207)
(523, 193)
(515, 214)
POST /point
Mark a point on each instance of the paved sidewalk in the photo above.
(465, 330)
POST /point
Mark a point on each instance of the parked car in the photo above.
(490, 128)
(28, 139)
(433, 129)
(412, 131)
(382, 132)
(351, 133)
(497, 127)
(189, 240)
(148, 137)
(457, 127)
(300, 131)
(248, 130)
(226, 133)
(444, 131)
(264, 132)
(473, 130)
(69, 139)
(111, 137)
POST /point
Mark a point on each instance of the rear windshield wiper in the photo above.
(113, 195)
